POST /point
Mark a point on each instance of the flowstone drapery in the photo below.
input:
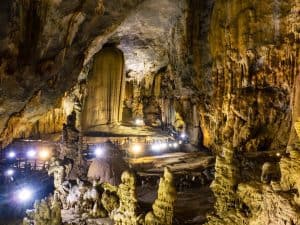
(104, 102)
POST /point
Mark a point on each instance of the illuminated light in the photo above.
(99, 152)
(136, 149)
(9, 172)
(156, 147)
(183, 135)
(175, 145)
(139, 122)
(163, 146)
(278, 154)
(24, 194)
(180, 142)
(11, 154)
(44, 154)
(159, 146)
(31, 153)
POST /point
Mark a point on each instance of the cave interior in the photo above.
(147, 112)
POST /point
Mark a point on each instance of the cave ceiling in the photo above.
(45, 45)
(144, 35)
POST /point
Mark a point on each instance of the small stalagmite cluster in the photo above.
(101, 200)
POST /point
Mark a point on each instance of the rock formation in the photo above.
(60, 172)
(224, 71)
(226, 180)
(105, 90)
(255, 203)
(126, 213)
(266, 206)
(110, 201)
(109, 167)
(290, 168)
(45, 212)
(270, 171)
(163, 206)
(71, 147)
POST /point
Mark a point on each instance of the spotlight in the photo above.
(139, 122)
(159, 146)
(31, 153)
(278, 154)
(99, 152)
(136, 148)
(156, 147)
(24, 194)
(163, 146)
(44, 154)
(9, 172)
(183, 135)
(11, 155)
(175, 145)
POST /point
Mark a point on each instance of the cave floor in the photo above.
(191, 206)
(193, 202)
(124, 131)
(192, 163)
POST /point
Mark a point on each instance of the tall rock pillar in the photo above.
(104, 102)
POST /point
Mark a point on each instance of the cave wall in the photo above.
(227, 69)
(238, 69)
(44, 48)
(255, 63)
(253, 103)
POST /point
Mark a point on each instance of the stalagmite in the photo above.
(163, 207)
(126, 213)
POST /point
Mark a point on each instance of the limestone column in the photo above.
(296, 111)
(104, 102)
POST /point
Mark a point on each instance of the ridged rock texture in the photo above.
(104, 101)
(225, 71)
(44, 47)
(249, 88)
